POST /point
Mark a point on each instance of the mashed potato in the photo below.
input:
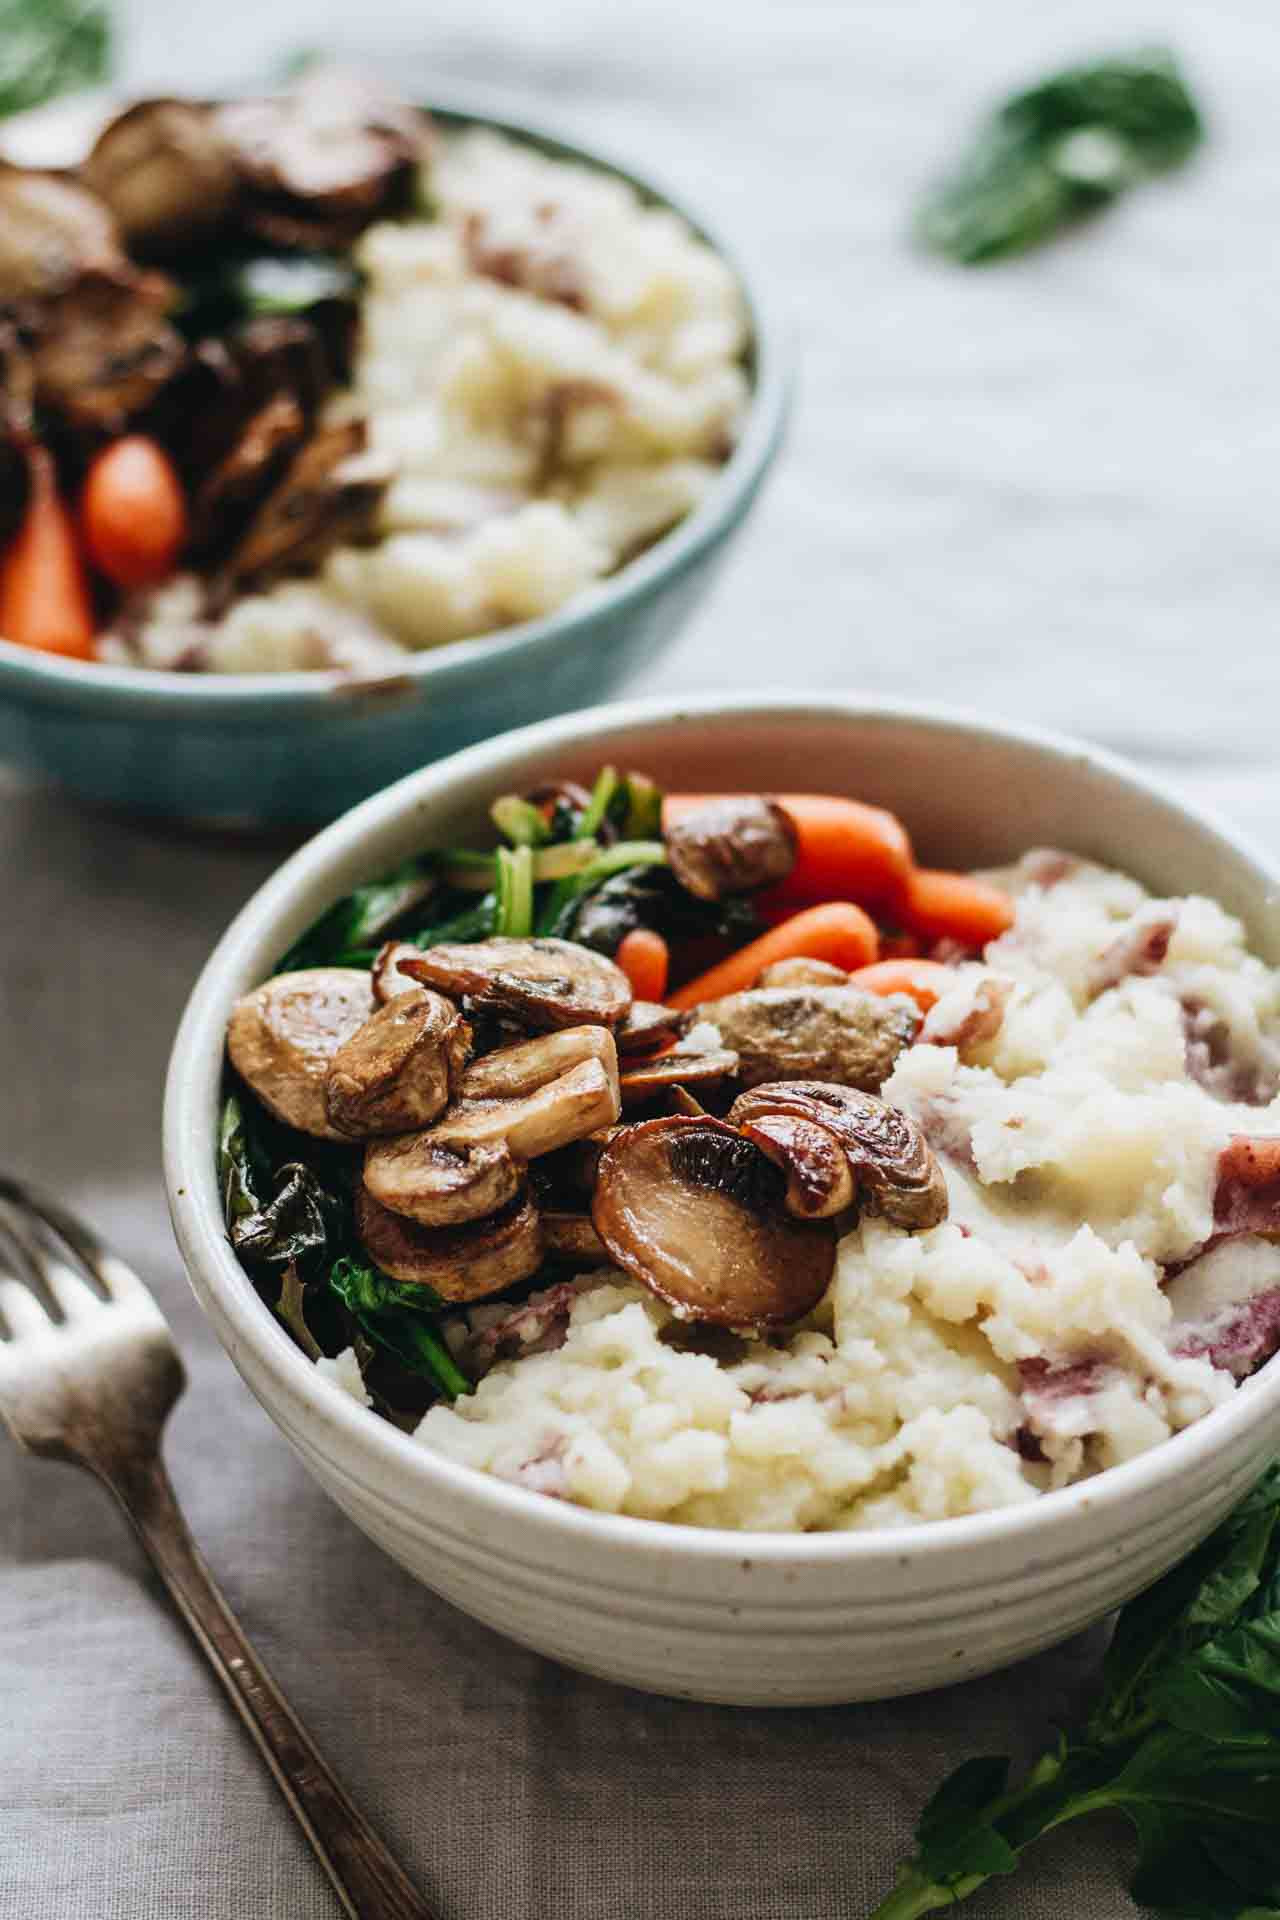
(1086, 1298)
(555, 371)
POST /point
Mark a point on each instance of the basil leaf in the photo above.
(1058, 151)
(48, 47)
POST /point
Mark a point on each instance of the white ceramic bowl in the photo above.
(750, 1618)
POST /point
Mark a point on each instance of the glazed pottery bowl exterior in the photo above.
(751, 1618)
(297, 748)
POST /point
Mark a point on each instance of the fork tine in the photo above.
(21, 1311)
(68, 1290)
(119, 1280)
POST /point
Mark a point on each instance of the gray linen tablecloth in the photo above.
(1045, 490)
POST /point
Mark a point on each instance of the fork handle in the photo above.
(365, 1877)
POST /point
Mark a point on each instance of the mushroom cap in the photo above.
(165, 172)
(388, 980)
(439, 1186)
(577, 1102)
(732, 844)
(283, 1036)
(841, 1034)
(398, 1071)
(892, 1162)
(695, 1212)
(459, 1263)
(573, 1237)
(51, 230)
(645, 1026)
(513, 1071)
(802, 972)
(642, 1080)
(545, 983)
(819, 1178)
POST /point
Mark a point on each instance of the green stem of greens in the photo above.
(519, 821)
(602, 794)
(473, 872)
(644, 809)
(614, 859)
(515, 892)
(914, 1896)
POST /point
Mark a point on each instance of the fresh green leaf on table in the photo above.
(1059, 151)
(1184, 1741)
(48, 47)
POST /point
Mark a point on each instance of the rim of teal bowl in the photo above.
(152, 691)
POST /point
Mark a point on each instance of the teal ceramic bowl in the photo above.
(297, 748)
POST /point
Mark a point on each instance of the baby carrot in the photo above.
(925, 980)
(44, 595)
(643, 956)
(955, 906)
(845, 849)
(133, 512)
(838, 931)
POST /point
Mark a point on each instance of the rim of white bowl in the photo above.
(196, 1063)
(215, 696)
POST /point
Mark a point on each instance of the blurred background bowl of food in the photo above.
(525, 604)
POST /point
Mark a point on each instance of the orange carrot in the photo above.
(838, 931)
(925, 980)
(644, 958)
(133, 512)
(44, 596)
(899, 946)
(846, 850)
(955, 906)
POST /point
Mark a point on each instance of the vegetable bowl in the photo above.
(362, 476)
(897, 1594)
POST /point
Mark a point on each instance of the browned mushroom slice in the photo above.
(104, 348)
(17, 396)
(166, 174)
(695, 1212)
(401, 1069)
(282, 1038)
(730, 845)
(893, 1166)
(572, 1236)
(643, 1080)
(436, 1185)
(388, 980)
(575, 1103)
(818, 1175)
(322, 161)
(546, 983)
(328, 494)
(647, 1026)
(458, 1263)
(511, 1072)
(51, 231)
(229, 492)
(799, 972)
(680, 1100)
(840, 1034)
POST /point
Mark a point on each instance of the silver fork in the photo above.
(94, 1386)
